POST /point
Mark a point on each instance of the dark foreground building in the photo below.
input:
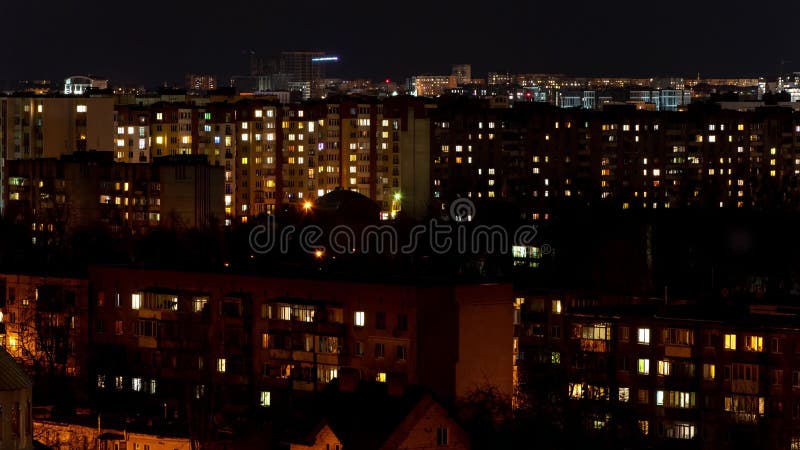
(674, 376)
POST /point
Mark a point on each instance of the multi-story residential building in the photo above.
(253, 342)
(57, 195)
(433, 85)
(543, 157)
(44, 324)
(463, 74)
(133, 134)
(667, 375)
(201, 82)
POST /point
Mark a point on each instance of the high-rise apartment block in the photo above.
(463, 73)
(201, 82)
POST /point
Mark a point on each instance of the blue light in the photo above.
(325, 59)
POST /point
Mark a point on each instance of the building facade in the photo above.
(249, 343)
(667, 376)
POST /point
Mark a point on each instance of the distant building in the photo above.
(499, 79)
(433, 85)
(48, 127)
(201, 82)
(463, 74)
(80, 85)
(53, 196)
(16, 421)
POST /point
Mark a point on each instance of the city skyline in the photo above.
(605, 40)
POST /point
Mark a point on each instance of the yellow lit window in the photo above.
(644, 427)
(709, 372)
(381, 377)
(754, 343)
(730, 342)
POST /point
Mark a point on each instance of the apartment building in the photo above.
(44, 325)
(54, 196)
(670, 376)
(252, 343)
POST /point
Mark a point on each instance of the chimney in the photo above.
(349, 379)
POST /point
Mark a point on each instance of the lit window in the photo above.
(381, 377)
(136, 301)
(359, 318)
(221, 365)
(730, 342)
(136, 384)
(644, 366)
(660, 398)
(556, 306)
(81, 108)
(664, 368)
(644, 336)
(709, 372)
(754, 343)
(265, 399)
(624, 394)
(159, 116)
(245, 137)
(259, 113)
(199, 304)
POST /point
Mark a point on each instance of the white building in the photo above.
(78, 84)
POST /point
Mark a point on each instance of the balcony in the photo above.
(595, 346)
(678, 351)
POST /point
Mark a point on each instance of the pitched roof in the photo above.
(363, 419)
(12, 377)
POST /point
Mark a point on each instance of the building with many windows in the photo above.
(54, 196)
(666, 375)
(250, 343)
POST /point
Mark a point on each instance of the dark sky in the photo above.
(151, 41)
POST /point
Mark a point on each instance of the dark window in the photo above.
(441, 437)
(380, 321)
(402, 322)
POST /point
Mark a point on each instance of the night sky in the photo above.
(154, 41)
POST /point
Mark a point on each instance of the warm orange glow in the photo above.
(307, 206)
(319, 253)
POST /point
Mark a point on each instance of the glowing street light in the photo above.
(319, 254)
(307, 206)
